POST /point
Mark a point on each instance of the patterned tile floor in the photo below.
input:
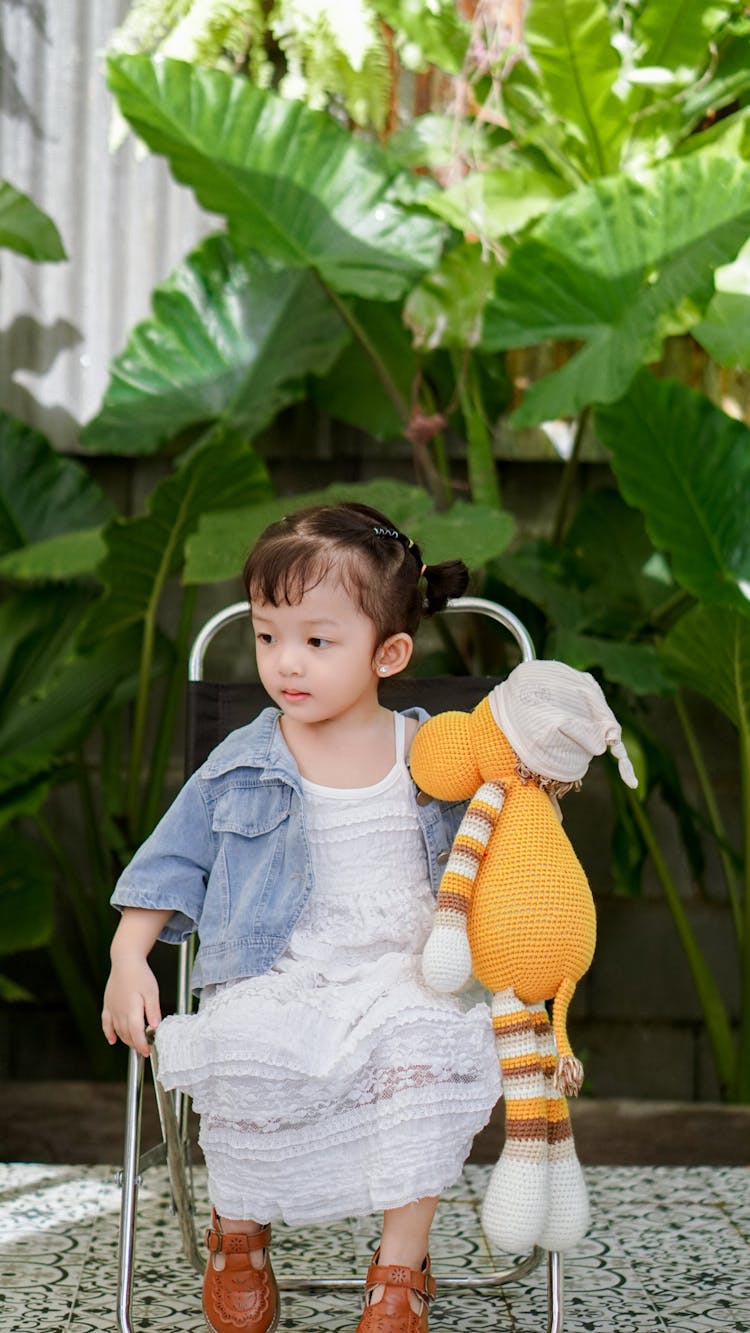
(669, 1249)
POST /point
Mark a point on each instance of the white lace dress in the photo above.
(338, 1084)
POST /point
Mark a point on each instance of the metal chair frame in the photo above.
(174, 1149)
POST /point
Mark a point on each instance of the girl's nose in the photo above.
(288, 663)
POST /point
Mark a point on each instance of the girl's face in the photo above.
(316, 659)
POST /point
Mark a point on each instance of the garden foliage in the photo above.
(584, 183)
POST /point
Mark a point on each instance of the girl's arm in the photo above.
(131, 997)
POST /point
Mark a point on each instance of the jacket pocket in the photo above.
(252, 811)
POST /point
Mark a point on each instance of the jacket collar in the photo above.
(258, 745)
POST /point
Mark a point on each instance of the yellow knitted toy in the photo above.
(516, 908)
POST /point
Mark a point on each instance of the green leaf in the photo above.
(26, 895)
(52, 719)
(26, 229)
(291, 183)
(57, 558)
(144, 552)
(727, 85)
(607, 545)
(499, 202)
(635, 665)
(438, 141)
(231, 339)
(469, 532)
(617, 265)
(682, 38)
(534, 124)
(676, 36)
(539, 572)
(725, 329)
(428, 32)
(352, 391)
(11, 992)
(38, 628)
(42, 494)
(446, 308)
(571, 43)
(686, 465)
(709, 651)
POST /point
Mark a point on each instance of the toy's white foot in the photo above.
(516, 1204)
(568, 1212)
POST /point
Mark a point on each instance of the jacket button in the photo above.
(423, 798)
(443, 857)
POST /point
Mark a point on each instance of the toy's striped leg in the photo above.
(516, 1203)
(568, 1212)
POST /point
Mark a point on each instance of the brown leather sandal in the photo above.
(393, 1313)
(239, 1298)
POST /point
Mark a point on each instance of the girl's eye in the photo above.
(265, 638)
(319, 643)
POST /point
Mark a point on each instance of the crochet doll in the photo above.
(515, 908)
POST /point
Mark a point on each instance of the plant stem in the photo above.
(483, 479)
(714, 1010)
(168, 717)
(569, 475)
(176, 535)
(714, 815)
(743, 1072)
(98, 851)
(110, 765)
(396, 398)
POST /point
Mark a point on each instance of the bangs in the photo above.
(284, 570)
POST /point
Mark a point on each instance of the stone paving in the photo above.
(668, 1249)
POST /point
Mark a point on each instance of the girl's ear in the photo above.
(393, 655)
(442, 758)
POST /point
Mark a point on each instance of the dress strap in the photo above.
(399, 726)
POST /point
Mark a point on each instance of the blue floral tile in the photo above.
(668, 1252)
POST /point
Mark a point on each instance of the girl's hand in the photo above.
(131, 1000)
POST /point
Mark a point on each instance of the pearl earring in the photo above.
(383, 670)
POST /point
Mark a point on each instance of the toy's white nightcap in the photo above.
(557, 719)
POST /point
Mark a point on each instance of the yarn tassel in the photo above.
(569, 1072)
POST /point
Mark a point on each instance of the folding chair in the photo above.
(213, 710)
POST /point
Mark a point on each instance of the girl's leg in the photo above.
(405, 1240)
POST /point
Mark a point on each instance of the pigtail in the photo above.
(444, 581)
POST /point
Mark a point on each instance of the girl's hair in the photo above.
(378, 565)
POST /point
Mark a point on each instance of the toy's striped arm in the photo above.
(446, 962)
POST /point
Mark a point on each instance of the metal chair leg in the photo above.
(129, 1180)
(555, 1293)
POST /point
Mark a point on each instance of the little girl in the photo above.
(330, 1080)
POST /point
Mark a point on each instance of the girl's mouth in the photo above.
(295, 694)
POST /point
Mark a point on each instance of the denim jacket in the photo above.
(231, 856)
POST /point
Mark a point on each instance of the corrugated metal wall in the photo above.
(124, 222)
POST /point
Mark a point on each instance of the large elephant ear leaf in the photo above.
(478, 532)
(43, 496)
(26, 229)
(231, 337)
(290, 182)
(708, 650)
(686, 466)
(144, 552)
(26, 894)
(570, 42)
(617, 266)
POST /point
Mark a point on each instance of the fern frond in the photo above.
(334, 49)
